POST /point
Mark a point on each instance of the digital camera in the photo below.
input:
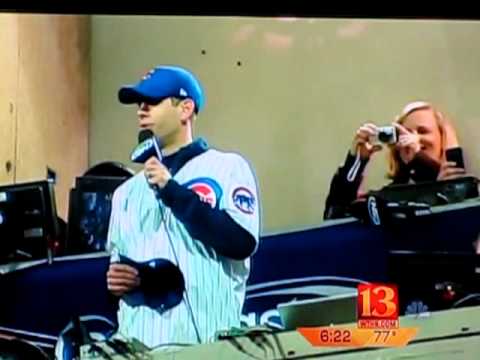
(386, 135)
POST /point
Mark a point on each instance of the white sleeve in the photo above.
(241, 200)
(114, 239)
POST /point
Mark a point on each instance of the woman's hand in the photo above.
(408, 143)
(449, 170)
(361, 142)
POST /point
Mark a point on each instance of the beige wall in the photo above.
(44, 98)
(302, 88)
(8, 95)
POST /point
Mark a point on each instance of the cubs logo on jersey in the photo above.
(244, 200)
(207, 189)
(206, 193)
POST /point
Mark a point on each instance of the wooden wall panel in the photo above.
(53, 100)
(8, 93)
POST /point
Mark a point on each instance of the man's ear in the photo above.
(188, 109)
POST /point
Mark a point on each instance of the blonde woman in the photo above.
(419, 154)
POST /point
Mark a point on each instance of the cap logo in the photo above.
(148, 74)
(183, 92)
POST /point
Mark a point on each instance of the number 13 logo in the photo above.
(377, 302)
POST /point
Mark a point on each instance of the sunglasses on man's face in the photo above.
(149, 102)
(152, 102)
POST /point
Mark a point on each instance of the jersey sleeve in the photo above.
(241, 196)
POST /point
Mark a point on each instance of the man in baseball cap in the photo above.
(163, 82)
(193, 205)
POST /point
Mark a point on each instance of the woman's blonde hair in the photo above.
(394, 160)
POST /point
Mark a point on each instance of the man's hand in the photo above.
(122, 278)
(156, 172)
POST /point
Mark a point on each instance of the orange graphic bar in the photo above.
(354, 337)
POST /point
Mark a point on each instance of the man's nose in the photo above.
(143, 106)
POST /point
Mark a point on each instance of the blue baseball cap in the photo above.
(162, 82)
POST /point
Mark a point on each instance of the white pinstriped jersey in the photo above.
(215, 284)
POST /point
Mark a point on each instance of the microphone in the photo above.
(149, 145)
(144, 135)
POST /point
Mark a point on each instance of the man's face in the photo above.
(164, 119)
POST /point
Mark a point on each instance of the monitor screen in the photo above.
(89, 213)
(28, 220)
